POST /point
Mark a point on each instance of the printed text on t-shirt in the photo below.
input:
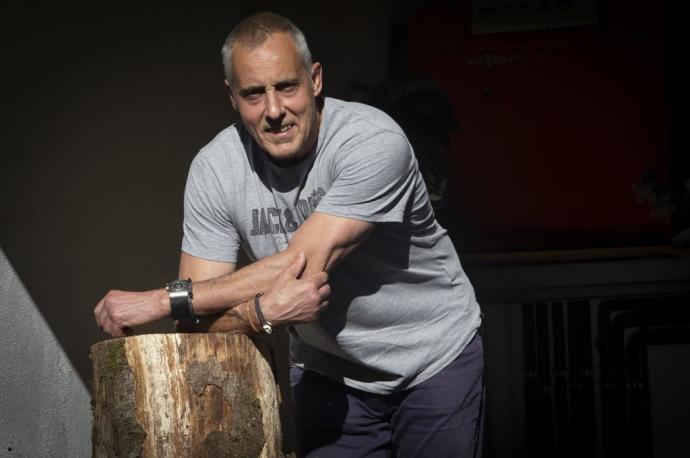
(272, 220)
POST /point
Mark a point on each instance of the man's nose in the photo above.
(274, 106)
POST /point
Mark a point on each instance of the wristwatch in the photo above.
(265, 325)
(180, 293)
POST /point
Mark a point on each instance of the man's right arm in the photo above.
(203, 269)
(298, 296)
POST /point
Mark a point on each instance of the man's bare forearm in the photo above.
(220, 294)
(240, 319)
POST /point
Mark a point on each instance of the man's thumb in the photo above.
(297, 267)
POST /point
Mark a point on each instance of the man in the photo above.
(390, 363)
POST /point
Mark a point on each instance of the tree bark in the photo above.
(184, 395)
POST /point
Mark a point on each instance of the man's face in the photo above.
(275, 97)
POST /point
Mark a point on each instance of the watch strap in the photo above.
(180, 294)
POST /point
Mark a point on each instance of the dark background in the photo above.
(105, 105)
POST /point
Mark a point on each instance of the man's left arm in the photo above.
(325, 241)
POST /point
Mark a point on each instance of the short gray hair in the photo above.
(255, 30)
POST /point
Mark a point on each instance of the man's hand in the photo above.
(292, 299)
(120, 311)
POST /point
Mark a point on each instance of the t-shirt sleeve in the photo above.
(208, 229)
(374, 180)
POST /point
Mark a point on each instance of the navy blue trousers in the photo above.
(440, 417)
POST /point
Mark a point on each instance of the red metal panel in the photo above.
(555, 130)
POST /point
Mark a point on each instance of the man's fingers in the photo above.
(325, 291)
(116, 331)
(105, 327)
(105, 320)
(319, 278)
(99, 313)
(295, 269)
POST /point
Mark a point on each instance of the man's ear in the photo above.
(317, 78)
(232, 99)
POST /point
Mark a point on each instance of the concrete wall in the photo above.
(44, 404)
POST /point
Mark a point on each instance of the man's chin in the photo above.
(285, 160)
(283, 157)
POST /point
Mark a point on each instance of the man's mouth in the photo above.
(281, 129)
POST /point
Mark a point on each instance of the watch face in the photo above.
(177, 285)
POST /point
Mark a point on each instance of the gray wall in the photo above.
(44, 404)
(104, 109)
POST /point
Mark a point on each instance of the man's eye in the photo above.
(252, 96)
(288, 88)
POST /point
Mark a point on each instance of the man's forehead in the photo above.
(245, 81)
(277, 47)
(274, 60)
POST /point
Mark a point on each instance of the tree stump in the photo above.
(184, 395)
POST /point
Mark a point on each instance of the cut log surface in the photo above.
(184, 395)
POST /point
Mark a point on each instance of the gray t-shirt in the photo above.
(401, 307)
